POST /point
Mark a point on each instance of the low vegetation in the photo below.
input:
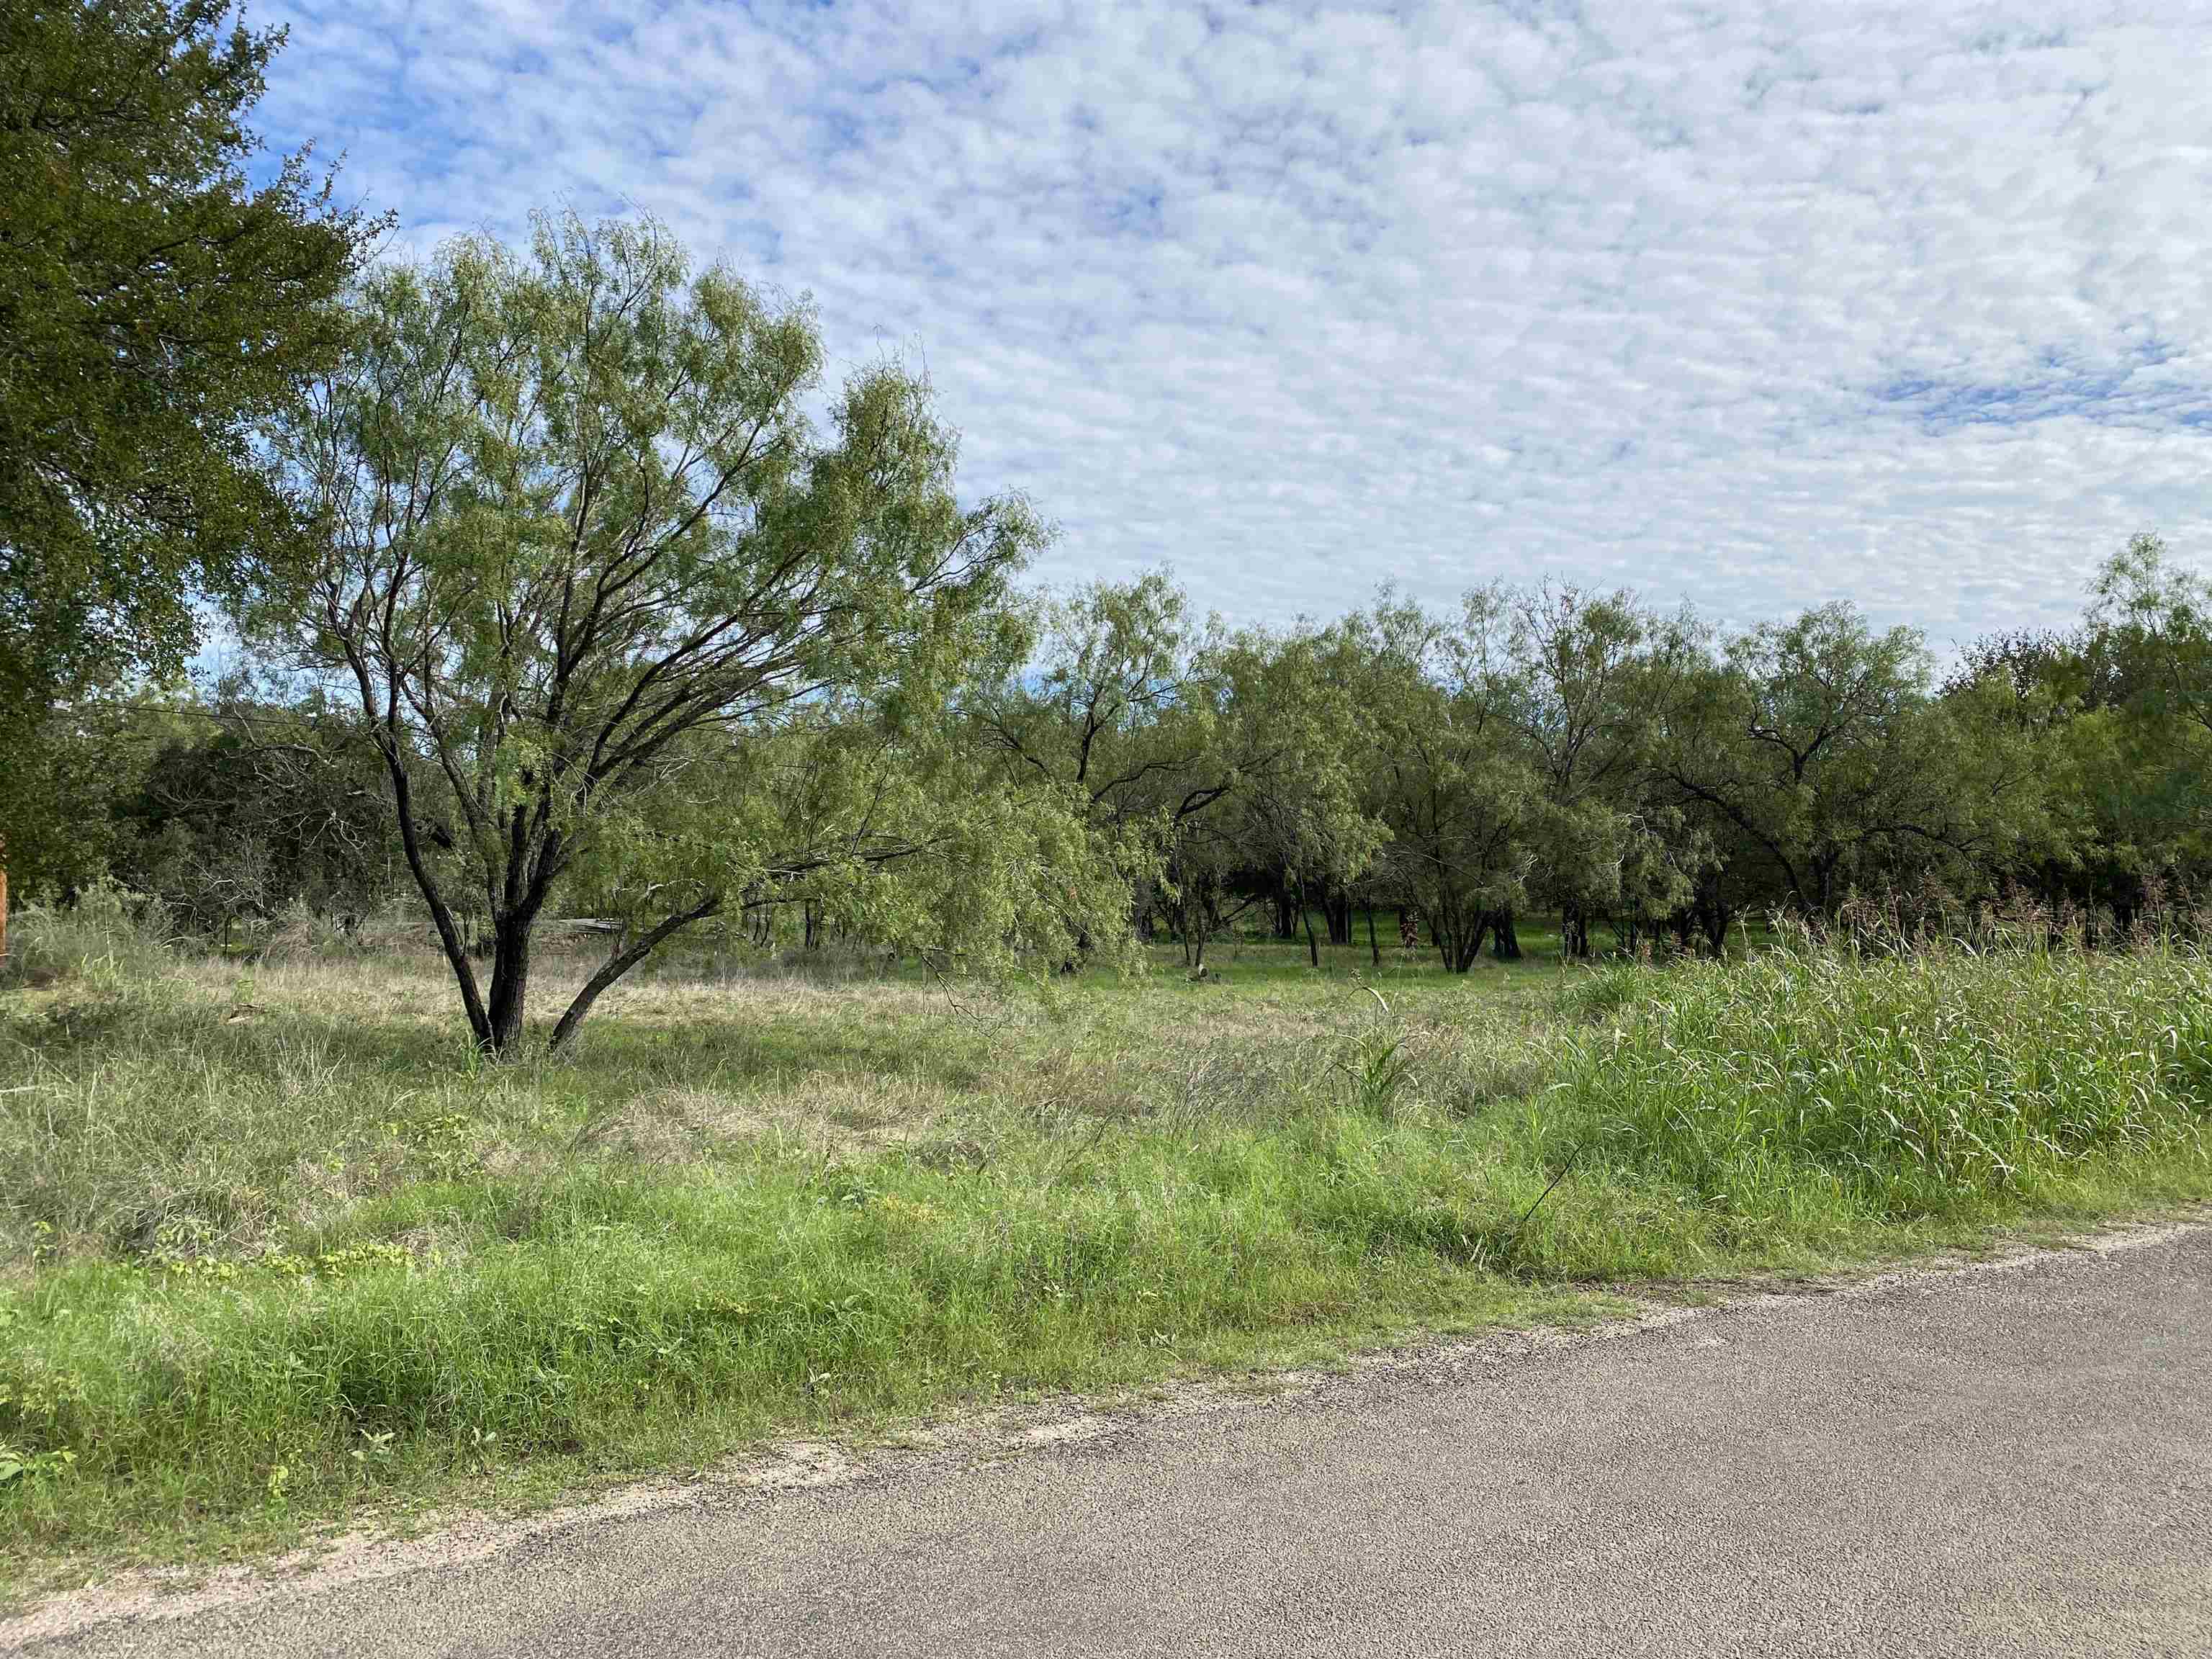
(280, 1244)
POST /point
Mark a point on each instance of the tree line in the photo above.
(1023, 777)
(561, 581)
(1634, 771)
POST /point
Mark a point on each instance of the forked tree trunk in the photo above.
(1509, 942)
(1470, 943)
(1336, 905)
(1459, 936)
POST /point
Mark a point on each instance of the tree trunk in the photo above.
(1713, 917)
(441, 915)
(1305, 916)
(3, 901)
(510, 983)
(1287, 924)
(1459, 937)
(616, 967)
(1337, 907)
(1508, 948)
(1470, 948)
(1374, 946)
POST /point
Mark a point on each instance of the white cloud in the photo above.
(1906, 304)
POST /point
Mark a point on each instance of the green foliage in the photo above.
(1302, 739)
(242, 810)
(2153, 623)
(1447, 772)
(594, 570)
(1815, 752)
(2113, 713)
(1588, 679)
(154, 303)
(1117, 711)
(62, 786)
(2155, 619)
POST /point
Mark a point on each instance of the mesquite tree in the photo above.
(1587, 674)
(585, 547)
(1449, 776)
(1119, 707)
(2153, 624)
(1814, 753)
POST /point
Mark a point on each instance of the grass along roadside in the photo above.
(278, 1251)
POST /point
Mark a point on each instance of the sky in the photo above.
(1752, 305)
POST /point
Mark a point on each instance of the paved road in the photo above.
(1990, 1461)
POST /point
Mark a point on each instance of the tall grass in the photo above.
(273, 1247)
(108, 939)
(1856, 1088)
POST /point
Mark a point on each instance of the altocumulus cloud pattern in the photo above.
(1756, 306)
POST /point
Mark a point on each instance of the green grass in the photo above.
(277, 1249)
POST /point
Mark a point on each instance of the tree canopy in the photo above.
(156, 301)
(589, 557)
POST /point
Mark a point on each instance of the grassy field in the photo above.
(276, 1249)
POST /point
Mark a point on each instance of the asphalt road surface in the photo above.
(1994, 1460)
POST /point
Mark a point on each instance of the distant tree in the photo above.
(154, 301)
(1121, 706)
(1450, 776)
(589, 560)
(1816, 754)
(2154, 615)
(2151, 623)
(1585, 686)
(64, 786)
(1116, 702)
(1298, 743)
